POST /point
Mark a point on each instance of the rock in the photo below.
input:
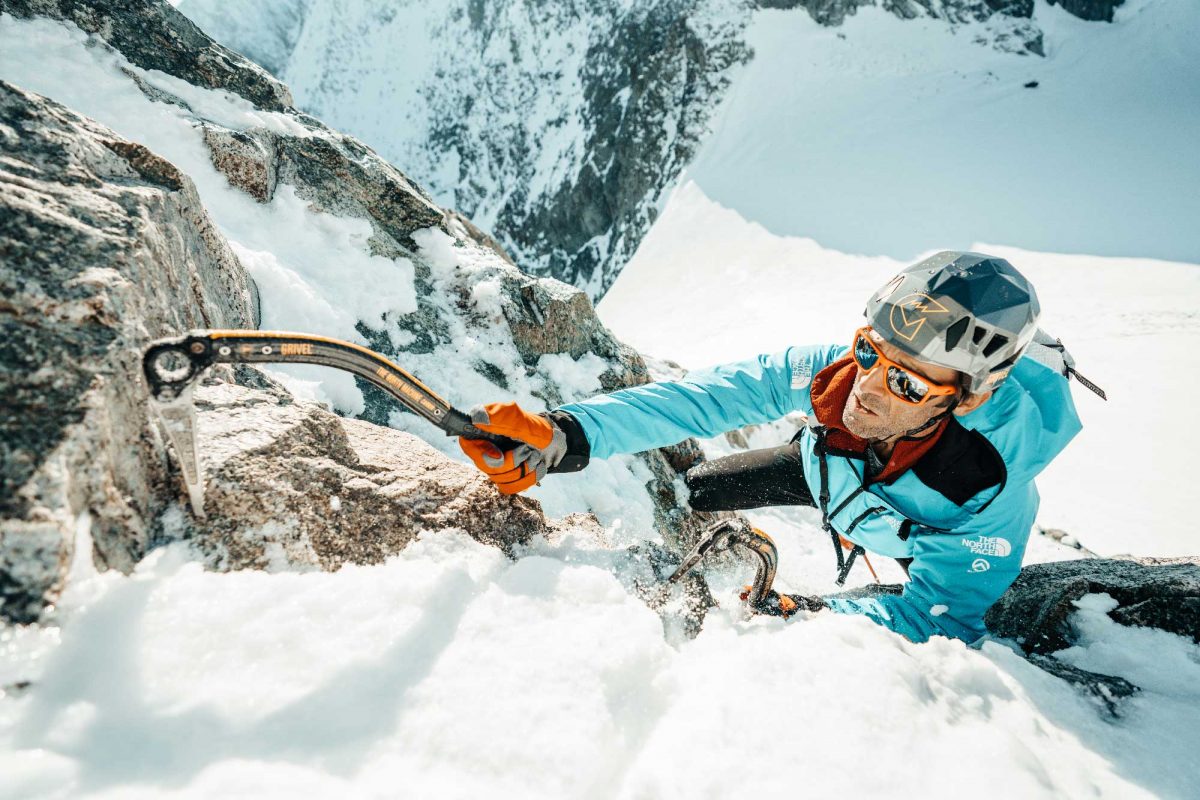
(245, 159)
(105, 246)
(541, 315)
(829, 13)
(153, 35)
(1163, 594)
(267, 32)
(165, 269)
(1107, 690)
(1094, 10)
(289, 484)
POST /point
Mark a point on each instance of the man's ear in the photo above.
(971, 402)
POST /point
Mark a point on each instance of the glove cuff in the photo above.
(579, 450)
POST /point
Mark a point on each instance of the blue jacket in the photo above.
(965, 552)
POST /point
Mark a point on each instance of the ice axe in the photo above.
(723, 534)
(173, 365)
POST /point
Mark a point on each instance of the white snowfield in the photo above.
(452, 671)
(882, 136)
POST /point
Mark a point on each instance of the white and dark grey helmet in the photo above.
(967, 311)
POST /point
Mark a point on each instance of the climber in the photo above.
(922, 443)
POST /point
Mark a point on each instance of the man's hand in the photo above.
(543, 446)
(783, 605)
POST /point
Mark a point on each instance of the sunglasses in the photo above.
(901, 381)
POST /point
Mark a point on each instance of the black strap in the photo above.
(1074, 372)
(844, 562)
(844, 569)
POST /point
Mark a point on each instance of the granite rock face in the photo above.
(557, 127)
(105, 246)
(290, 484)
(1152, 593)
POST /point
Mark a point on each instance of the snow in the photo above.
(884, 136)
(454, 671)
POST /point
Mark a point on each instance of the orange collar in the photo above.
(830, 391)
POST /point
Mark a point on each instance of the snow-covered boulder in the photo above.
(1151, 593)
(105, 245)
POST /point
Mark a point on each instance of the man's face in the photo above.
(872, 412)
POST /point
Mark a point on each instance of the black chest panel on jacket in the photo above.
(961, 465)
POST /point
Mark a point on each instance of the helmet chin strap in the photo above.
(934, 420)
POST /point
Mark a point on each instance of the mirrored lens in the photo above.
(906, 385)
(864, 353)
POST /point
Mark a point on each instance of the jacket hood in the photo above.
(1029, 419)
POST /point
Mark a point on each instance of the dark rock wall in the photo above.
(1163, 594)
(652, 73)
(153, 35)
(1094, 10)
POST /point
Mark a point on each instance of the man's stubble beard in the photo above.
(871, 429)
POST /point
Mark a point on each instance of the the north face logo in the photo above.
(801, 371)
(988, 546)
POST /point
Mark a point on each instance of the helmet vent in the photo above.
(998, 341)
(955, 332)
(978, 334)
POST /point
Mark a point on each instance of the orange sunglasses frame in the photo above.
(935, 389)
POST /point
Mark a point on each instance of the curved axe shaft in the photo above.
(173, 365)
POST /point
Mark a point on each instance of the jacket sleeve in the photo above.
(705, 403)
(954, 578)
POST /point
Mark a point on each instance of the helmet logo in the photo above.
(909, 314)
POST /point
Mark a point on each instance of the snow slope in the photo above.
(886, 136)
(452, 672)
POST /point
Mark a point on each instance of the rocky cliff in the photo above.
(557, 127)
(107, 245)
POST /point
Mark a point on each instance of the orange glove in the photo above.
(783, 605)
(544, 445)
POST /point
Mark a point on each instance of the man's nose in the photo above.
(872, 382)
